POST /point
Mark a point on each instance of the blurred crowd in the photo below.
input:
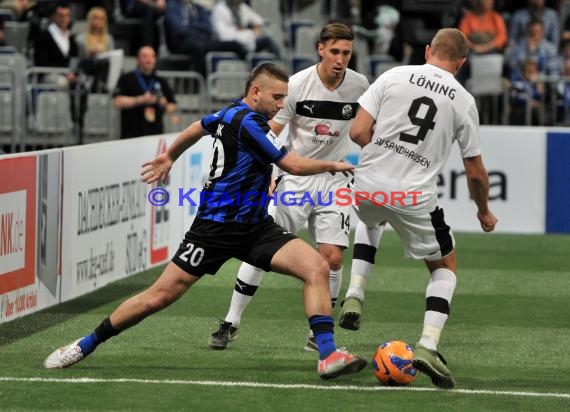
(532, 36)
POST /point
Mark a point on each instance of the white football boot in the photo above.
(64, 357)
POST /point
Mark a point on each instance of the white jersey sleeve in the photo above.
(468, 134)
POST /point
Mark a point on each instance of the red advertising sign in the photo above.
(17, 223)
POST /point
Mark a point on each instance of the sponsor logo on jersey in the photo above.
(309, 108)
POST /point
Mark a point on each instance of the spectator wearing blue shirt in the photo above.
(536, 48)
(535, 11)
(526, 90)
(188, 31)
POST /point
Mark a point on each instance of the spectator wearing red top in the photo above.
(484, 27)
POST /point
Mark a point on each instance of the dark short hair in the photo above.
(335, 31)
(270, 69)
(60, 5)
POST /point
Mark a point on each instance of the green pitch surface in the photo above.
(507, 341)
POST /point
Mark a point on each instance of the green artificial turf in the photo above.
(506, 341)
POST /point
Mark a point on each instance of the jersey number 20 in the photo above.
(425, 123)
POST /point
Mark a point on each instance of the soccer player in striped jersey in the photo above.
(319, 109)
(244, 151)
(407, 122)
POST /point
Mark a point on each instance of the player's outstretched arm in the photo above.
(362, 128)
(478, 183)
(301, 166)
(159, 167)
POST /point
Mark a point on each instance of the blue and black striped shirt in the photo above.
(244, 149)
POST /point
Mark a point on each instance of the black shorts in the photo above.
(208, 245)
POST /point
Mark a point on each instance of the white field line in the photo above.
(286, 386)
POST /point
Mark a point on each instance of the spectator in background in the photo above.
(524, 91)
(148, 11)
(188, 31)
(536, 48)
(535, 11)
(348, 12)
(566, 29)
(19, 7)
(92, 42)
(56, 46)
(96, 38)
(235, 20)
(563, 90)
(484, 27)
(565, 50)
(143, 98)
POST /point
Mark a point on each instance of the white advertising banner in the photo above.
(110, 230)
(515, 159)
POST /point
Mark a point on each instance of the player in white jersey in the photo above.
(319, 108)
(407, 122)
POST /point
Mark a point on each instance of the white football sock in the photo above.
(361, 268)
(335, 282)
(248, 279)
(438, 298)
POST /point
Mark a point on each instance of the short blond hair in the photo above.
(450, 44)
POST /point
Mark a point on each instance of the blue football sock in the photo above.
(322, 327)
(88, 344)
(326, 344)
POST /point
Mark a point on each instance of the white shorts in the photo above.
(327, 223)
(425, 236)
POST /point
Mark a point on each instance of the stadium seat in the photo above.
(8, 119)
(313, 10)
(305, 40)
(49, 108)
(486, 80)
(224, 87)
(378, 64)
(268, 9)
(255, 59)
(17, 34)
(191, 98)
(292, 27)
(100, 122)
(13, 67)
(214, 58)
(7, 15)
(299, 62)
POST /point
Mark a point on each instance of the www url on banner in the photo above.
(341, 197)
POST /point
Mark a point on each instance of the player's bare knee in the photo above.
(447, 262)
(333, 256)
(335, 262)
(319, 272)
